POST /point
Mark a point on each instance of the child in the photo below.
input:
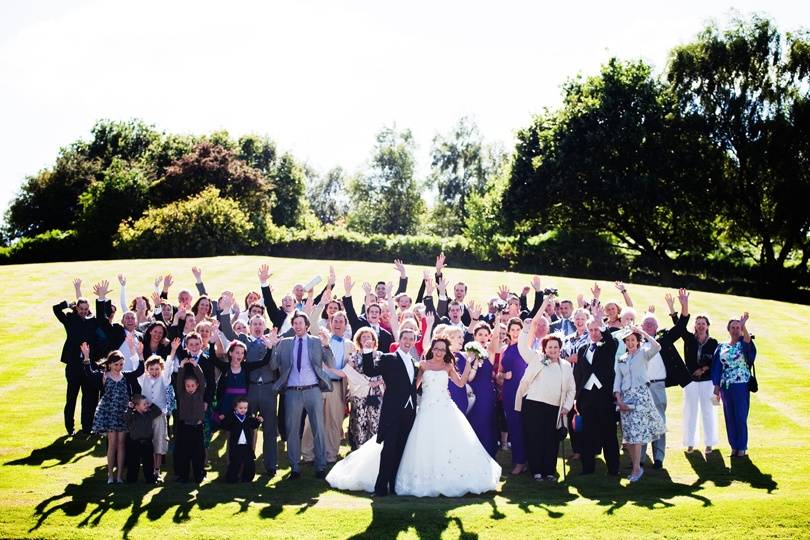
(140, 450)
(111, 409)
(188, 446)
(242, 428)
(155, 385)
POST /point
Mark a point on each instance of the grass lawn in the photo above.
(52, 486)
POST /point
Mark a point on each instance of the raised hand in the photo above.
(167, 282)
(330, 281)
(101, 289)
(226, 302)
(139, 348)
(683, 296)
(536, 283)
(155, 299)
(400, 267)
(77, 286)
(158, 279)
(525, 291)
(620, 286)
(389, 288)
(347, 285)
(175, 344)
(122, 280)
(264, 273)
(596, 290)
(442, 285)
(670, 302)
(367, 287)
(475, 310)
(651, 308)
(271, 339)
(597, 310)
(324, 335)
(430, 318)
(197, 274)
(744, 319)
(430, 286)
(439, 263)
(580, 299)
(503, 292)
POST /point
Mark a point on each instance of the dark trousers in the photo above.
(189, 451)
(598, 412)
(540, 436)
(240, 457)
(576, 443)
(140, 452)
(396, 435)
(76, 381)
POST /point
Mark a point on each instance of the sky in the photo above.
(320, 78)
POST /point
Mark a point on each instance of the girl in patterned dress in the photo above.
(110, 413)
(365, 393)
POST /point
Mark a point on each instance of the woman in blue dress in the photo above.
(482, 414)
(512, 368)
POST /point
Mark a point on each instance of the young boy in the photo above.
(242, 428)
(188, 446)
(154, 387)
(139, 452)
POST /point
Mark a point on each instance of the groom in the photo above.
(398, 408)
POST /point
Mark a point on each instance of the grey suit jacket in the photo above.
(319, 356)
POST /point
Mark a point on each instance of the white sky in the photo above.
(319, 77)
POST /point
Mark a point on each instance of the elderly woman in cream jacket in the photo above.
(544, 397)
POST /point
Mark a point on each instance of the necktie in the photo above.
(298, 354)
(339, 339)
(593, 347)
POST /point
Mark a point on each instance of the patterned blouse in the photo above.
(730, 363)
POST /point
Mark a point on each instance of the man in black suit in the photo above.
(371, 318)
(399, 372)
(80, 326)
(593, 374)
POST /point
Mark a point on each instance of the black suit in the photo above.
(396, 417)
(596, 406)
(277, 316)
(384, 337)
(78, 330)
(677, 374)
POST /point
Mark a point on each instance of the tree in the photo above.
(205, 224)
(386, 199)
(328, 197)
(461, 164)
(211, 165)
(749, 86)
(288, 178)
(121, 194)
(616, 159)
(123, 140)
(258, 152)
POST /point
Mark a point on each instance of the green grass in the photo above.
(54, 487)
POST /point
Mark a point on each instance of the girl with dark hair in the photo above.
(111, 411)
(511, 371)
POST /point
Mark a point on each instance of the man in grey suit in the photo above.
(300, 360)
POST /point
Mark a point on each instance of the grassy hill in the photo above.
(52, 486)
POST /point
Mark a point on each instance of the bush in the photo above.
(572, 253)
(202, 225)
(53, 245)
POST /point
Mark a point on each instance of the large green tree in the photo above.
(289, 179)
(328, 198)
(461, 164)
(749, 86)
(386, 198)
(616, 159)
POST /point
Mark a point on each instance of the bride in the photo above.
(442, 456)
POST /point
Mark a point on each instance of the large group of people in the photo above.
(434, 386)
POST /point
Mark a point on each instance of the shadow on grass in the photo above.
(92, 499)
(63, 450)
(713, 468)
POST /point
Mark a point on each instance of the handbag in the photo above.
(753, 385)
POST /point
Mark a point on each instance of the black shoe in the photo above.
(71, 432)
(270, 473)
(380, 493)
(658, 464)
(294, 475)
(320, 475)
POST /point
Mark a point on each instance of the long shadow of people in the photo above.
(744, 470)
(63, 450)
(710, 467)
(428, 516)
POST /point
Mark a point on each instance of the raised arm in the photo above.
(122, 295)
(77, 287)
(348, 305)
(441, 306)
(403, 277)
(538, 297)
(392, 310)
(330, 284)
(524, 349)
(622, 289)
(458, 380)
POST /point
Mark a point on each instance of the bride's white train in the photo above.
(443, 456)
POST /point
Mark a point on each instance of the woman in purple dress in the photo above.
(458, 394)
(512, 368)
(482, 414)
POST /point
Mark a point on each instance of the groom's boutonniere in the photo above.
(599, 344)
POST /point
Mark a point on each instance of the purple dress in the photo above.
(512, 361)
(459, 395)
(482, 415)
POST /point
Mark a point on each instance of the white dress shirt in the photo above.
(407, 359)
(593, 380)
(655, 367)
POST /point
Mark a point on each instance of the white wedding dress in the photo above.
(443, 456)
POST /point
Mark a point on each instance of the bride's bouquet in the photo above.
(477, 352)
